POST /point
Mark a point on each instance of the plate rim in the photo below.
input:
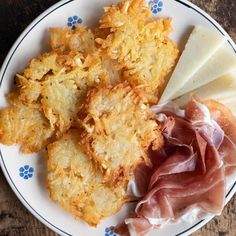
(3, 70)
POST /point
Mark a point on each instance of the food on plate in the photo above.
(226, 120)
(139, 43)
(48, 107)
(56, 83)
(200, 47)
(63, 94)
(25, 126)
(87, 101)
(80, 39)
(41, 66)
(60, 81)
(119, 129)
(221, 63)
(75, 182)
(220, 89)
(190, 180)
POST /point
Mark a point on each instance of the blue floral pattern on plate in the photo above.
(156, 6)
(72, 21)
(26, 172)
(110, 231)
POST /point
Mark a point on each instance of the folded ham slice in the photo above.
(198, 153)
(224, 117)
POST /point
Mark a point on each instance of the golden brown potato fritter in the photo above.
(80, 39)
(87, 100)
(24, 126)
(77, 185)
(119, 129)
(58, 82)
(139, 43)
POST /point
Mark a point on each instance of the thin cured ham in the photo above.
(223, 116)
(198, 153)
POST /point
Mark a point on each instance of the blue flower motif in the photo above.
(72, 21)
(156, 6)
(110, 232)
(26, 172)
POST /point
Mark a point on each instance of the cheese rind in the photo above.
(201, 45)
(221, 63)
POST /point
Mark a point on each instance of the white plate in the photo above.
(32, 191)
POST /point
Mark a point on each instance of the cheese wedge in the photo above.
(219, 89)
(201, 45)
(221, 63)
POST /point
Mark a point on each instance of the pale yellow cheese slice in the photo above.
(201, 45)
(221, 63)
(219, 89)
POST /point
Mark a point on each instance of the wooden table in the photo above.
(15, 15)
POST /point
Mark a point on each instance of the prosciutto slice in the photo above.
(199, 151)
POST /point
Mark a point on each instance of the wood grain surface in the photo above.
(15, 15)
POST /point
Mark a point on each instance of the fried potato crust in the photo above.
(57, 82)
(40, 66)
(80, 39)
(139, 43)
(77, 184)
(24, 126)
(119, 129)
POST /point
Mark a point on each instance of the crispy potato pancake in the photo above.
(77, 185)
(80, 39)
(62, 87)
(24, 126)
(60, 102)
(119, 129)
(39, 67)
(30, 90)
(139, 43)
(87, 100)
